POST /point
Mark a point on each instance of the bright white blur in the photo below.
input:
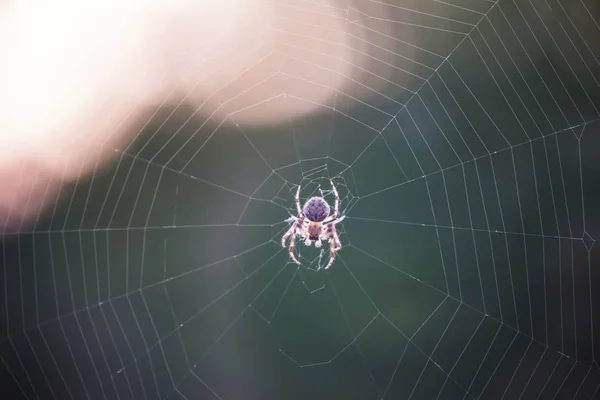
(77, 77)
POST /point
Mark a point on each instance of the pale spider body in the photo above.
(313, 224)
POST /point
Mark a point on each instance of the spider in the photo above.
(313, 224)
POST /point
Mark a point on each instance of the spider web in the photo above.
(468, 248)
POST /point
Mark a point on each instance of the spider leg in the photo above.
(292, 231)
(298, 226)
(331, 220)
(334, 243)
(298, 202)
(336, 238)
(337, 200)
(291, 250)
(332, 251)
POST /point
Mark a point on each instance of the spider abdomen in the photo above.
(316, 209)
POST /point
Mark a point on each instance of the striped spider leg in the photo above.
(330, 234)
(299, 225)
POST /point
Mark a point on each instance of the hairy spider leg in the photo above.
(337, 201)
(298, 223)
(288, 233)
(298, 202)
(326, 232)
(334, 240)
(336, 207)
(291, 249)
(337, 221)
(293, 229)
(332, 250)
(338, 244)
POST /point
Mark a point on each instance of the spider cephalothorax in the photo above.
(313, 224)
